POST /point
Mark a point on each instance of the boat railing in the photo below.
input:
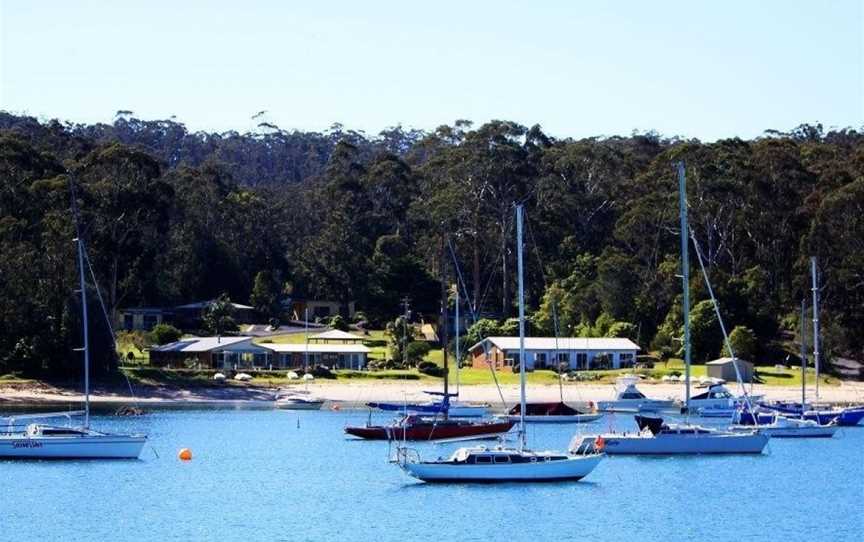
(406, 455)
(10, 425)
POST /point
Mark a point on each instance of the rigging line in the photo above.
(75, 210)
(722, 325)
(474, 318)
(555, 327)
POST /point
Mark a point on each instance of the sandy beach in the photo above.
(355, 394)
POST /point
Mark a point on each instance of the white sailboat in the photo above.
(657, 438)
(504, 464)
(38, 441)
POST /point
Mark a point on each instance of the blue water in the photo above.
(256, 475)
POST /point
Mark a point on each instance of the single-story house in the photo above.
(213, 352)
(337, 356)
(143, 318)
(724, 369)
(318, 308)
(335, 336)
(546, 352)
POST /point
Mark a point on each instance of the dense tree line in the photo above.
(172, 216)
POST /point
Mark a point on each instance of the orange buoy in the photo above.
(185, 454)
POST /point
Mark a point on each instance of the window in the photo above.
(540, 360)
(322, 312)
(128, 321)
(483, 459)
(625, 360)
(581, 360)
(502, 458)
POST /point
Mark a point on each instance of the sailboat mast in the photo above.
(443, 327)
(456, 330)
(815, 289)
(803, 356)
(522, 364)
(86, 325)
(685, 278)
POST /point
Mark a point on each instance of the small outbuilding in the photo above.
(335, 336)
(724, 368)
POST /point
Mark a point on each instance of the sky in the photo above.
(692, 69)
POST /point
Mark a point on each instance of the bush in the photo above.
(430, 368)
(743, 342)
(337, 322)
(323, 372)
(163, 334)
(416, 351)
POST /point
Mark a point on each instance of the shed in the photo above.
(724, 368)
(336, 336)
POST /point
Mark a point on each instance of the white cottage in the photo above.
(546, 352)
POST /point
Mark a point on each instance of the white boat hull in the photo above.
(636, 405)
(572, 468)
(791, 428)
(78, 447)
(299, 405)
(576, 418)
(639, 444)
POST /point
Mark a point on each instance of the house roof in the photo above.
(205, 304)
(724, 361)
(562, 343)
(336, 335)
(200, 344)
(317, 348)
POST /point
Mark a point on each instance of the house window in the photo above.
(581, 360)
(540, 360)
(625, 360)
(322, 312)
(129, 321)
(564, 357)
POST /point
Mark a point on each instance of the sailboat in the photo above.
(658, 438)
(849, 416)
(503, 464)
(39, 441)
(439, 425)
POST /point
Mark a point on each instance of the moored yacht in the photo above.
(559, 412)
(628, 398)
(504, 464)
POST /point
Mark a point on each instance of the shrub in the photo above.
(163, 334)
(430, 368)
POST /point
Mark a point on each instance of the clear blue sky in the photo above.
(691, 68)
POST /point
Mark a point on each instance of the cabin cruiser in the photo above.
(788, 427)
(630, 399)
(658, 438)
(717, 401)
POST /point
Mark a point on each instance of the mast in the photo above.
(443, 328)
(83, 285)
(815, 289)
(306, 349)
(456, 330)
(522, 365)
(685, 278)
(803, 356)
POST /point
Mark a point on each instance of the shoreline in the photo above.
(356, 394)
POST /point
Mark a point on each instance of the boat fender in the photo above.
(599, 443)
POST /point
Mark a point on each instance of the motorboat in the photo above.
(504, 464)
(658, 438)
(717, 402)
(554, 412)
(295, 402)
(422, 428)
(628, 398)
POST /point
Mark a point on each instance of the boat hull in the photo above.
(638, 444)
(87, 447)
(571, 469)
(574, 418)
(431, 431)
(819, 431)
(299, 405)
(641, 405)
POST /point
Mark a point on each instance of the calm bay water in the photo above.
(256, 475)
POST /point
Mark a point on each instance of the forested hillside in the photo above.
(172, 216)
